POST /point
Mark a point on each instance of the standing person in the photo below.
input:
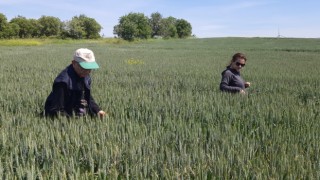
(231, 80)
(71, 90)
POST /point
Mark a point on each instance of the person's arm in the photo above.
(225, 81)
(56, 102)
(95, 109)
(93, 106)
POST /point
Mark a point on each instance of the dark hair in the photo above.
(237, 56)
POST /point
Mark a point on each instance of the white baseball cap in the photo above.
(85, 58)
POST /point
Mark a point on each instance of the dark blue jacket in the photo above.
(67, 92)
(231, 81)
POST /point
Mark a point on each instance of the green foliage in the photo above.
(81, 27)
(133, 25)
(136, 25)
(18, 27)
(91, 27)
(27, 27)
(49, 26)
(35, 29)
(167, 118)
(168, 27)
(11, 31)
(184, 28)
(126, 30)
(3, 24)
(3, 21)
(155, 23)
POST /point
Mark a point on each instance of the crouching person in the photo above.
(71, 90)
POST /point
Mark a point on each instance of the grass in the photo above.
(167, 117)
(38, 42)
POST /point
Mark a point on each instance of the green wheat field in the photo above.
(167, 117)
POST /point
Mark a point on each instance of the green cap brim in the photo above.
(89, 65)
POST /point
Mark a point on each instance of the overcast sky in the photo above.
(209, 18)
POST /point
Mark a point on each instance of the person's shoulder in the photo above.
(227, 72)
(63, 76)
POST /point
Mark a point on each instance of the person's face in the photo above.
(79, 70)
(238, 64)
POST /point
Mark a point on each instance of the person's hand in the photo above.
(102, 114)
(247, 84)
(242, 92)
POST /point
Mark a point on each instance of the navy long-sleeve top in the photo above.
(231, 81)
(67, 92)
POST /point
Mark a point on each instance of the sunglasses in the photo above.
(238, 64)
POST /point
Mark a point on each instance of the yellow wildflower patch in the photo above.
(132, 61)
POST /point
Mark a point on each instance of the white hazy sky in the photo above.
(209, 18)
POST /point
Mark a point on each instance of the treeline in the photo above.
(79, 27)
(137, 25)
(130, 27)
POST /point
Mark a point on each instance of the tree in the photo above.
(25, 26)
(125, 30)
(35, 29)
(81, 27)
(73, 29)
(168, 28)
(10, 31)
(49, 26)
(184, 28)
(133, 25)
(3, 24)
(7, 30)
(3, 21)
(65, 30)
(91, 27)
(155, 23)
